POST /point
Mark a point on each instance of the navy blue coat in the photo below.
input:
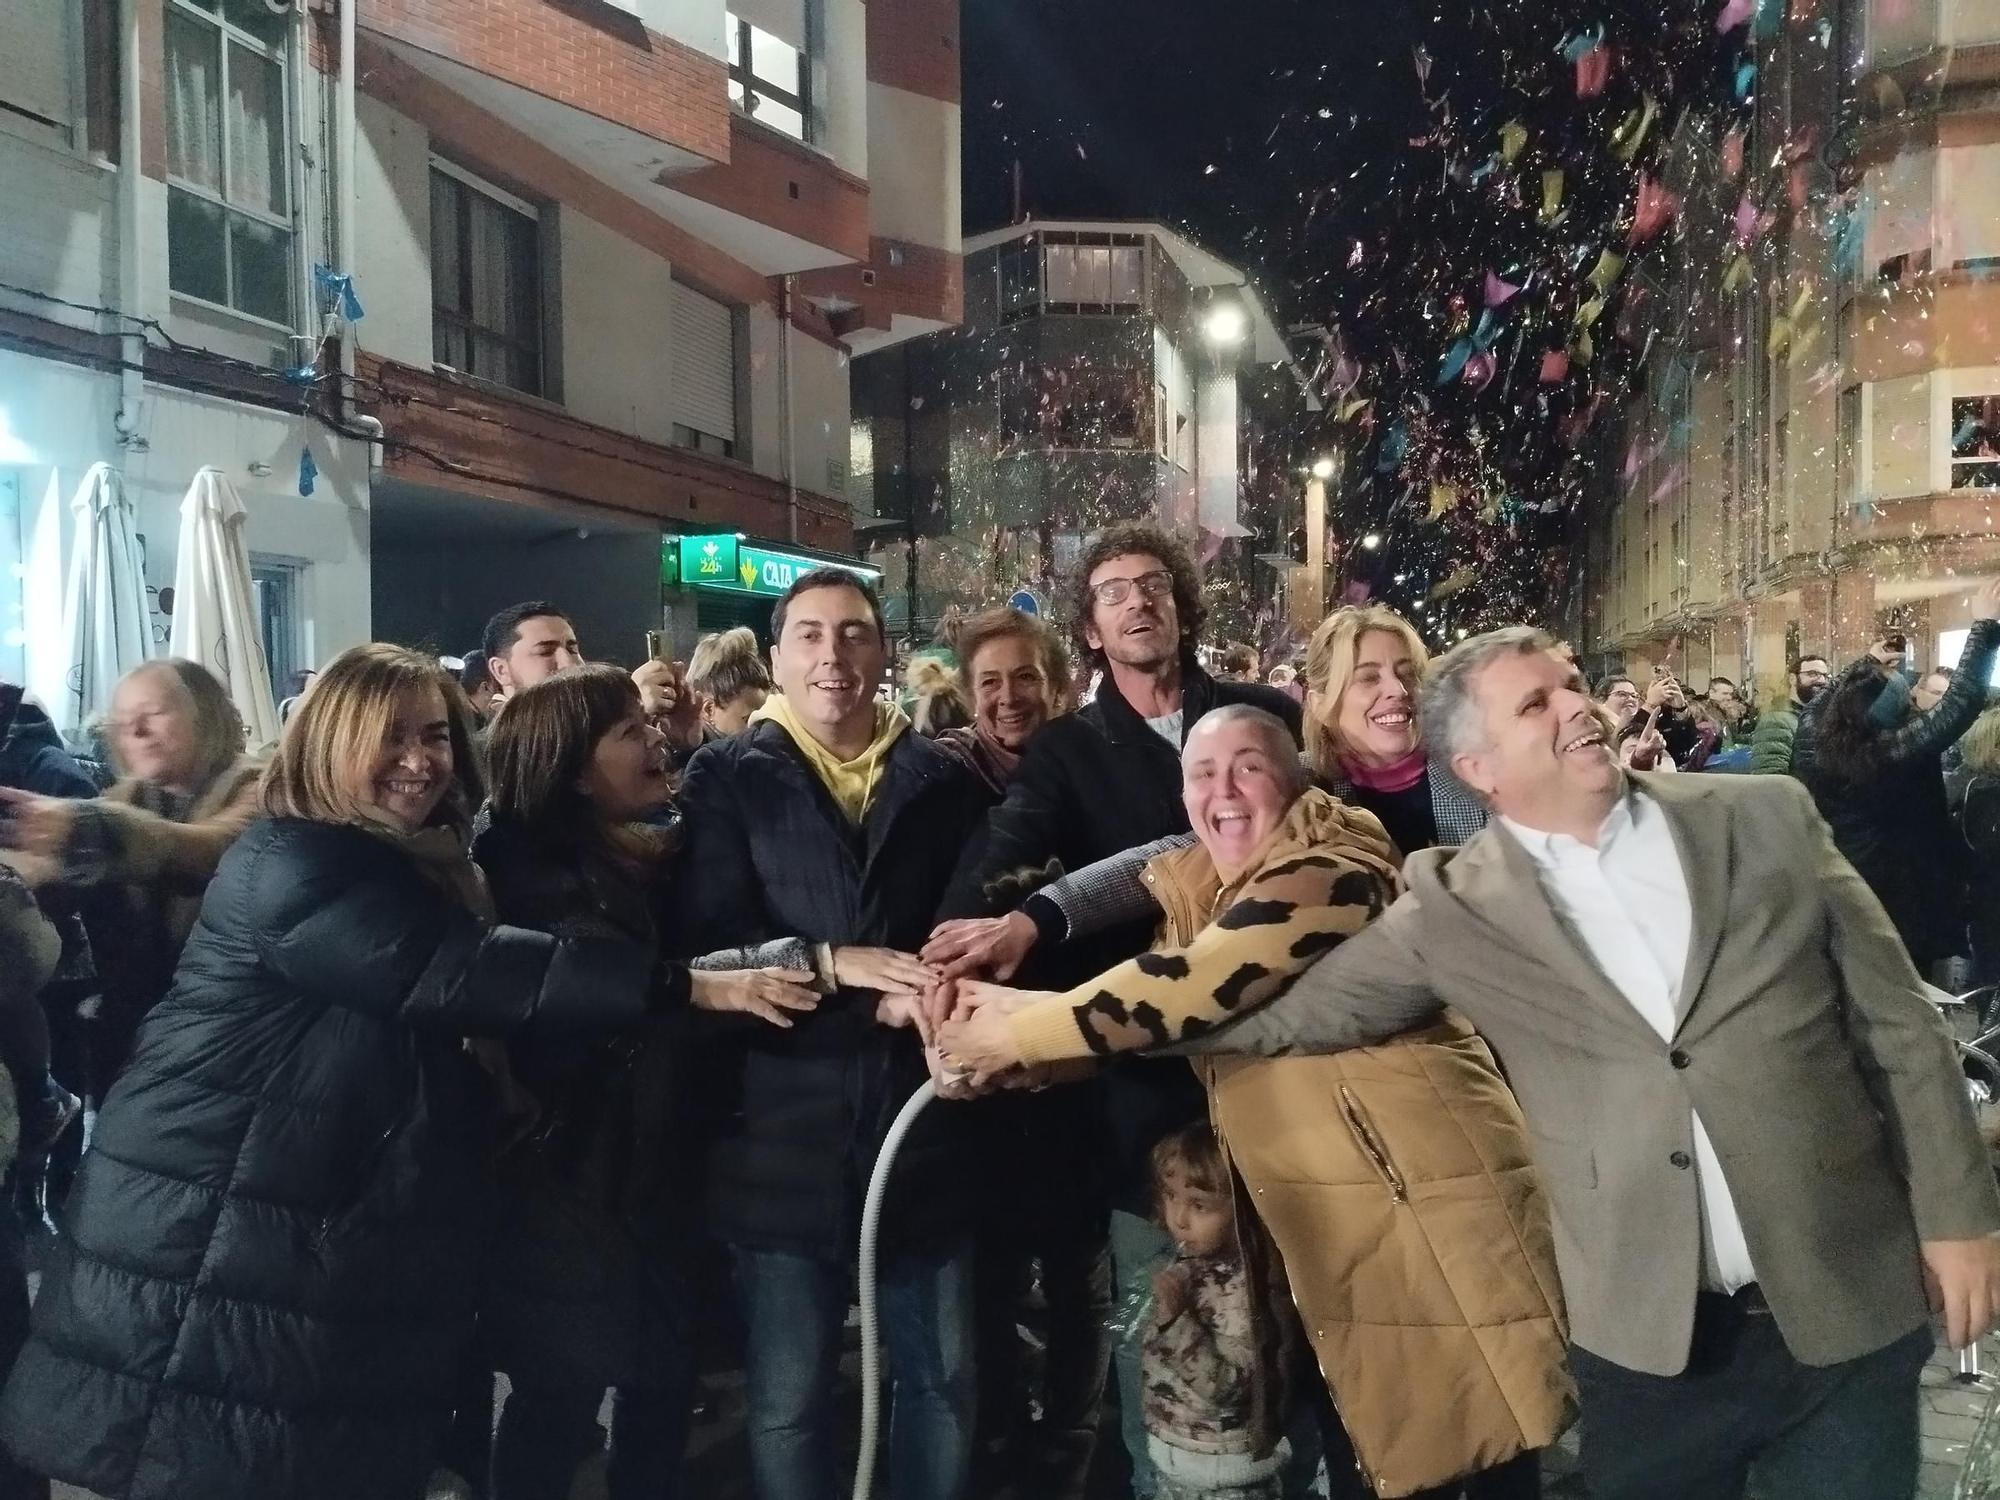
(768, 854)
(268, 1265)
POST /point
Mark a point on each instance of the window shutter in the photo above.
(34, 59)
(704, 364)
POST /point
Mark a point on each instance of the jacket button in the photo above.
(1678, 1058)
(1681, 1160)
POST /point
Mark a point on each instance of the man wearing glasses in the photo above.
(1092, 784)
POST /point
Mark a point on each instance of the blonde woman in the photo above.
(269, 1261)
(730, 681)
(138, 859)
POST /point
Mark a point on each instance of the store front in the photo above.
(721, 580)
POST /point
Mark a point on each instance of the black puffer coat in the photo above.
(268, 1265)
(586, 1285)
(768, 854)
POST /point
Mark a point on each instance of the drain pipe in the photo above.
(785, 401)
(132, 338)
(343, 190)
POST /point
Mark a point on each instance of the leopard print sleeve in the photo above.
(1290, 914)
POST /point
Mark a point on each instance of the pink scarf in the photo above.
(1397, 776)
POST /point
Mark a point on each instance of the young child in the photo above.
(1198, 1358)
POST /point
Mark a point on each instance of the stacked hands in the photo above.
(961, 1020)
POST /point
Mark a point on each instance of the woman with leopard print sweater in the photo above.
(1395, 1181)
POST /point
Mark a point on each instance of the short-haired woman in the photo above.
(586, 1290)
(267, 1271)
(137, 860)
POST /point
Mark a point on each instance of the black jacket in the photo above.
(1895, 828)
(768, 854)
(1092, 784)
(583, 1285)
(33, 759)
(268, 1264)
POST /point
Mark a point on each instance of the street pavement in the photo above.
(1950, 1415)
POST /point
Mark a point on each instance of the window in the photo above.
(229, 215)
(275, 584)
(1020, 279)
(486, 281)
(1095, 273)
(36, 79)
(768, 77)
(1078, 403)
(1975, 442)
(704, 372)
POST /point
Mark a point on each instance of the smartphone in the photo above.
(10, 705)
(1896, 642)
(656, 645)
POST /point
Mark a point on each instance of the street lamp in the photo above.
(1323, 469)
(1372, 540)
(1225, 325)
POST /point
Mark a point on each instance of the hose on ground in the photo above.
(871, 1345)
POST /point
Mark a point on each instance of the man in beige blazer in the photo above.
(1750, 1119)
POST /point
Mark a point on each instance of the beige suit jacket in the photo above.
(1824, 1077)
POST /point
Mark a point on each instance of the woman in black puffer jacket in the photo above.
(268, 1266)
(587, 1288)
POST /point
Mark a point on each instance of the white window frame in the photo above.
(288, 223)
(533, 213)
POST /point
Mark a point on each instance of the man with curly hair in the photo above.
(1092, 784)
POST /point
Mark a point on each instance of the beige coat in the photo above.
(1827, 1082)
(1394, 1180)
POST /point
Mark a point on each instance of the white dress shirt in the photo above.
(1626, 903)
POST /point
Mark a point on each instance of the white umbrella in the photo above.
(104, 607)
(215, 607)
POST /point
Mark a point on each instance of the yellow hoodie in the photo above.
(852, 783)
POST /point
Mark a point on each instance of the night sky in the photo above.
(1237, 121)
(1473, 194)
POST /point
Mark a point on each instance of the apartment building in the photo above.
(1103, 371)
(1812, 461)
(472, 301)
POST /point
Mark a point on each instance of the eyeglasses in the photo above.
(1155, 585)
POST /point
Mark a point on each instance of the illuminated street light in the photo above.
(1226, 325)
(1372, 540)
(1323, 469)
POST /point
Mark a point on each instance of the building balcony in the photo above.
(445, 432)
(1934, 321)
(602, 87)
(903, 290)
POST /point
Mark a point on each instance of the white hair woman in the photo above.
(139, 858)
(1395, 1182)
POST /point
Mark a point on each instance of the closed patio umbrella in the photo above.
(104, 605)
(215, 607)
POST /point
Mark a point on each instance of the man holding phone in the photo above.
(529, 642)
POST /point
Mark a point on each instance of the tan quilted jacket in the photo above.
(1395, 1180)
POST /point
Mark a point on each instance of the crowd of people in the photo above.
(1346, 1079)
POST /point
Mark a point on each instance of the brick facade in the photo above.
(479, 441)
(913, 45)
(579, 53)
(776, 181)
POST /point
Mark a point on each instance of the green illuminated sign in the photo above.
(723, 561)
